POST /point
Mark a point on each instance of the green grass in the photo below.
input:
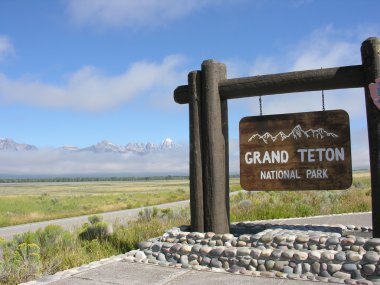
(34, 254)
(23, 203)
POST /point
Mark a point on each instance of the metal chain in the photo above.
(323, 101)
(261, 106)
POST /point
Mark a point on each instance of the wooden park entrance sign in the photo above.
(207, 93)
(302, 151)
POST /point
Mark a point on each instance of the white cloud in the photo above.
(325, 47)
(131, 13)
(90, 90)
(50, 162)
(6, 47)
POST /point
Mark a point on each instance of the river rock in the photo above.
(176, 247)
(349, 267)
(243, 251)
(306, 267)
(372, 243)
(227, 237)
(287, 254)
(327, 256)
(332, 267)
(205, 250)
(276, 253)
(315, 255)
(144, 245)
(185, 249)
(266, 252)
(288, 270)
(216, 263)
(302, 239)
(300, 255)
(342, 275)
(184, 260)
(156, 247)
(353, 256)
(371, 257)
(340, 256)
(217, 251)
(316, 267)
(369, 268)
(269, 264)
(255, 253)
(161, 257)
(280, 264)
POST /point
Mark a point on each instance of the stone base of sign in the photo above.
(305, 252)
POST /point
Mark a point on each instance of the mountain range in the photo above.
(101, 147)
(296, 133)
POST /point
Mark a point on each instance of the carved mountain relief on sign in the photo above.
(296, 133)
(301, 151)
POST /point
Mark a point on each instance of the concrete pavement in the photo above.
(118, 273)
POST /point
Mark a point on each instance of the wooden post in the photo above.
(227, 154)
(213, 149)
(371, 65)
(196, 186)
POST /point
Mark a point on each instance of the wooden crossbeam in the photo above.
(289, 82)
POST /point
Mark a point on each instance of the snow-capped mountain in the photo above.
(104, 146)
(141, 148)
(296, 133)
(101, 147)
(11, 145)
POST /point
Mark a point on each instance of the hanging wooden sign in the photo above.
(300, 151)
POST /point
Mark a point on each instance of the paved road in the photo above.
(357, 219)
(70, 223)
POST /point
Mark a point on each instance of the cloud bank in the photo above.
(54, 162)
(131, 13)
(57, 162)
(89, 89)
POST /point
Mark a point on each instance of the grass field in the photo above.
(31, 202)
(46, 251)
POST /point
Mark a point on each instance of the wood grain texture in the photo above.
(195, 130)
(298, 81)
(370, 51)
(292, 135)
(224, 110)
(213, 149)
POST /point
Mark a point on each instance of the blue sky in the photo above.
(77, 72)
